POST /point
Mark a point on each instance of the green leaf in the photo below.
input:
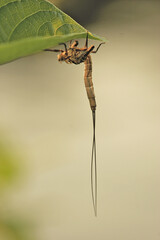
(29, 26)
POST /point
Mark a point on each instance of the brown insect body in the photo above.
(76, 56)
(88, 82)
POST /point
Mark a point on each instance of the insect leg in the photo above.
(65, 46)
(53, 50)
(88, 51)
(98, 47)
(86, 44)
(75, 44)
(70, 43)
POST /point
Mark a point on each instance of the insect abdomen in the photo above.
(89, 83)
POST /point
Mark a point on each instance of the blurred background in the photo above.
(46, 132)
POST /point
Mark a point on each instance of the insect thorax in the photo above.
(73, 55)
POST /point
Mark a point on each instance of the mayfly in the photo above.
(79, 55)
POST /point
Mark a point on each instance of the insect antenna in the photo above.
(94, 167)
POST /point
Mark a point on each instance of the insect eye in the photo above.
(60, 57)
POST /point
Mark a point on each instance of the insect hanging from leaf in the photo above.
(76, 55)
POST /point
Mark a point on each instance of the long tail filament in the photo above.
(94, 167)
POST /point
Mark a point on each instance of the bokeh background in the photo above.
(46, 133)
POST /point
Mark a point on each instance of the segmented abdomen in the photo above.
(89, 83)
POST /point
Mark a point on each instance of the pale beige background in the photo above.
(45, 113)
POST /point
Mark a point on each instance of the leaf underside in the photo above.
(30, 26)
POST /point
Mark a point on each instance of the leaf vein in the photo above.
(13, 1)
(31, 15)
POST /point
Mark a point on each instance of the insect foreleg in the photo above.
(98, 47)
(53, 50)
